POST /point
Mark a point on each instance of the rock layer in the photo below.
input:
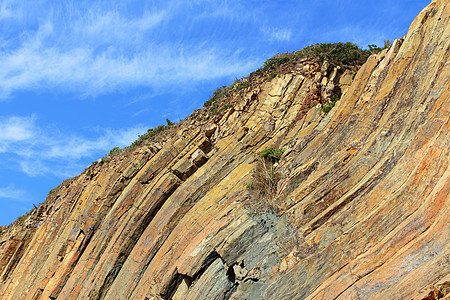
(360, 209)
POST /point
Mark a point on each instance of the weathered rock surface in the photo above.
(361, 209)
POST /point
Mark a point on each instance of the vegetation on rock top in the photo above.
(346, 55)
(338, 54)
(342, 54)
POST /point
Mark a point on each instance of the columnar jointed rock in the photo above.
(359, 210)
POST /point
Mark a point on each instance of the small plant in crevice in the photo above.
(328, 106)
(263, 187)
(272, 154)
(250, 186)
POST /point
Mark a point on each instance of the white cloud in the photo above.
(5, 10)
(96, 50)
(15, 129)
(232, 10)
(38, 151)
(75, 147)
(81, 69)
(278, 34)
(11, 192)
(99, 27)
(36, 167)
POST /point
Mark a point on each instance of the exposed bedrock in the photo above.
(358, 206)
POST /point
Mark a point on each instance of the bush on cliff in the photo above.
(264, 185)
(115, 151)
(272, 154)
(151, 134)
(343, 54)
(336, 53)
(328, 106)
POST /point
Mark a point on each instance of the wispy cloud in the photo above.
(37, 151)
(92, 51)
(15, 129)
(75, 147)
(81, 70)
(5, 10)
(278, 34)
(13, 193)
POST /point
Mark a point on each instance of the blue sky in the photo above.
(78, 78)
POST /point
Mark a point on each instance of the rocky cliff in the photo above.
(264, 195)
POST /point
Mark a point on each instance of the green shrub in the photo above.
(114, 151)
(258, 72)
(272, 154)
(218, 94)
(151, 134)
(225, 108)
(336, 53)
(348, 54)
(387, 44)
(243, 85)
(328, 106)
(209, 102)
(276, 61)
(213, 108)
(374, 48)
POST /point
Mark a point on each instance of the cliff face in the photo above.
(355, 208)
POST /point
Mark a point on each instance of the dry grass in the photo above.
(265, 196)
(263, 187)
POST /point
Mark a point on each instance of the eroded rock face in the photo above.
(360, 210)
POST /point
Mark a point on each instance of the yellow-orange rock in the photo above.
(360, 211)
